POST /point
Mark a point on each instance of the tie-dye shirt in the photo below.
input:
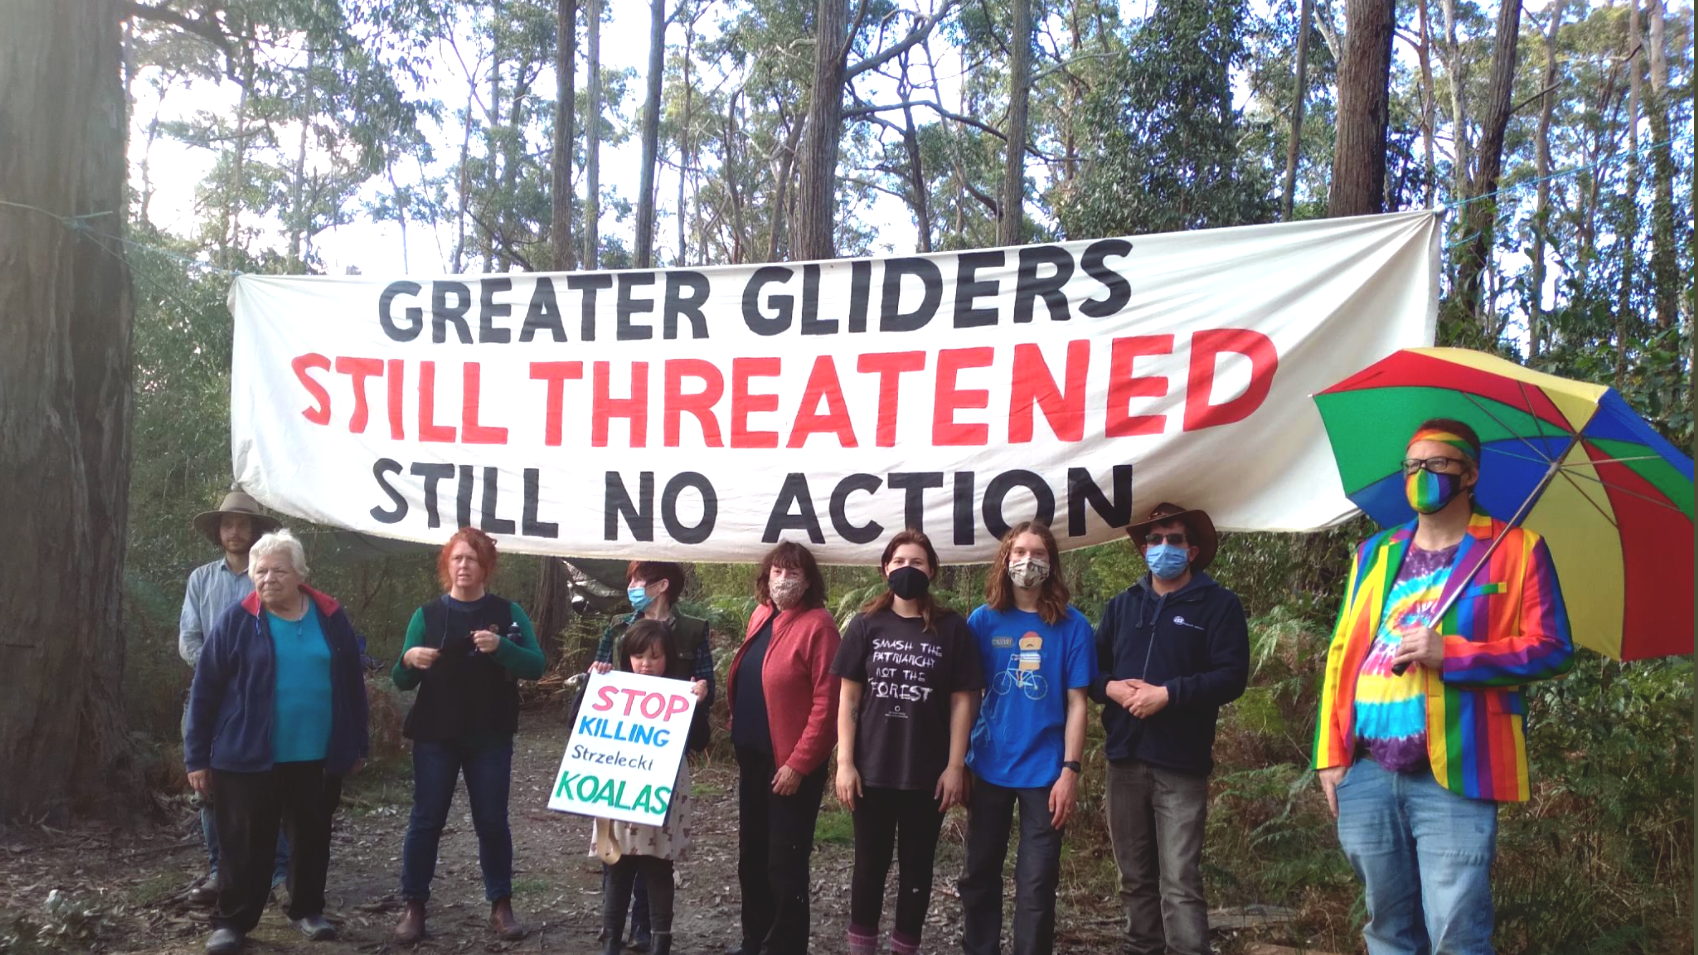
(1391, 710)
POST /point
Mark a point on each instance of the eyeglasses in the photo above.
(1174, 539)
(1438, 465)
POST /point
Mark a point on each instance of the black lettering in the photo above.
(915, 484)
(794, 493)
(413, 314)
(968, 287)
(624, 330)
(866, 533)
(544, 313)
(998, 489)
(638, 516)
(489, 522)
(1095, 264)
(759, 322)
(489, 310)
(588, 284)
(860, 291)
(431, 473)
(669, 507)
(381, 469)
(812, 324)
(1083, 490)
(441, 312)
(964, 530)
(531, 526)
(1029, 288)
(891, 318)
(463, 500)
(689, 306)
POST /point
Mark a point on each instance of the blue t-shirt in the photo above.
(1029, 665)
(300, 712)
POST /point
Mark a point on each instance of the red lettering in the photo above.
(632, 695)
(658, 708)
(1123, 386)
(1064, 409)
(471, 394)
(556, 374)
(823, 385)
(358, 370)
(675, 704)
(744, 404)
(889, 367)
(604, 406)
(698, 403)
(606, 695)
(1206, 349)
(429, 430)
(948, 399)
(320, 414)
(397, 380)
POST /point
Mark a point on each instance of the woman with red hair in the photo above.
(465, 652)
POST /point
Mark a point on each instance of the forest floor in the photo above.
(124, 890)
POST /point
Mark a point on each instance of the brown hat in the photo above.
(1200, 530)
(235, 502)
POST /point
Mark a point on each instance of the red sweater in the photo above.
(801, 693)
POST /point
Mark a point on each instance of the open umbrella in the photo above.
(1570, 460)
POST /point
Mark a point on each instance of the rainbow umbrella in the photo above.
(1572, 461)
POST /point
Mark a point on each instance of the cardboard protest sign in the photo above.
(704, 414)
(622, 756)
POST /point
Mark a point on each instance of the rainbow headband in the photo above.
(1438, 434)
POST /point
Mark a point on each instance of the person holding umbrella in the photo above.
(1420, 734)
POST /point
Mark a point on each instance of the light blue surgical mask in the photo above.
(639, 597)
(1167, 561)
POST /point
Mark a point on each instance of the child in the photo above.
(630, 848)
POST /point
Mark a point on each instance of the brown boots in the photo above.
(411, 928)
(503, 923)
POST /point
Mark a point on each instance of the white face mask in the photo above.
(787, 591)
(1028, 572)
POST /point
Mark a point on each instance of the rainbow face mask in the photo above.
(1428, 492)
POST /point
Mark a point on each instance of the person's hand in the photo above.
(1119, 693)
(200, 780)
(486, 640)
(786, 781)
(420, 658)
(1063, 798)
(599, 667)
(1330, 778)
(1147, 699)
(700, 688)
(847, 785)
(951, 788)
(1421, 646)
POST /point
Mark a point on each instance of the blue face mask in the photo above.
(639, 597)
(1167, 561)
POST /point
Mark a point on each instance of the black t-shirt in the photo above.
(749, 726)
(902, 737)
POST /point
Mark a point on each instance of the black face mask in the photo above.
(909, 583)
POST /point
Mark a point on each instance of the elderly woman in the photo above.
(277, 716)
(783, 726)
(465, 652)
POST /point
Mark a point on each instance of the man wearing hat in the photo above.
(1171, 650)
(213, 587)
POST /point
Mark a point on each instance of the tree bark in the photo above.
(1629, 235)
(1542, 199)
(1665, 266)
(1429, 101)
(592, 140)
(565, 108)
(1359, 146)
(643, 248)
(65, 371)
(1480, 215)
(1299, 93)
(917, 183)
(1008, 226)
(786, 166)
(1456, 65)
(816, 223)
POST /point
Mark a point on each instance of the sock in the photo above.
(862, 941)
(902, 944)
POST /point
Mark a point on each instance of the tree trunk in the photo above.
(1456, 65)
(592, 140)
(297, 211)
(1429, 101)
(565, 107)
(643, 247)
(1359, 146)
(65, 369)
(1480, 215)
(1629, 235)
(917, 182)
(230, 235)
(816, 223)
(1542, 199)
(1299, 93)
(1008, 226)
(786, 167)
(1665, 266)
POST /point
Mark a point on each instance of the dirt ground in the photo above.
(115, 890)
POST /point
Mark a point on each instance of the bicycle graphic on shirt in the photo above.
(1022, 671)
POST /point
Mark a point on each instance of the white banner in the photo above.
(622, 757)
(704, 414)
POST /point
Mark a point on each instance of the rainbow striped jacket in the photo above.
(1508, 628)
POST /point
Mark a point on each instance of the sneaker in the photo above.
(316, 927)
(224, 941)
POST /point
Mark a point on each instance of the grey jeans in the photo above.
(1155, 819)
(1037, 870)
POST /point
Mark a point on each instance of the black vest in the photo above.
(464, 692)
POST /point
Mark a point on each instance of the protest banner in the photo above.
(703, 414)
(622, 756)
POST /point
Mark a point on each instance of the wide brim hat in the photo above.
(1201, 530)
(235, 502)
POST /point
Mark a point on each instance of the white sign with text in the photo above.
(622, 756)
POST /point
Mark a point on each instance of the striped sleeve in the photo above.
(1329, 740)
(1542, 646)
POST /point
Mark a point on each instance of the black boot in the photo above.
(662, 943)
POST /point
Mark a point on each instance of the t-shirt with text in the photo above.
(1019, 740)
(902, 736)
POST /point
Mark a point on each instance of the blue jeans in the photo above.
(1037, 870)
(437, 766)
(1424, 855)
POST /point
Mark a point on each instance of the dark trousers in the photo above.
(250, 808)
(906, 822)
(640, 925)
(622, 879)
(437, 767)
(1037, 870)
(775, 836)
(1156, 819)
